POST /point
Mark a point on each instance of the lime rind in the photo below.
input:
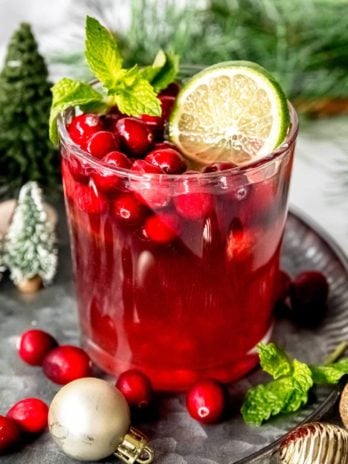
(232, 111)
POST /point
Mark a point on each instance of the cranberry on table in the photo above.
(168, 160)
(161, 228)
(308, 293)
(101, 143)
(135, 137)
(30, 415)
(34, 345)
(66, 363)
(105, 179)
(135, 387)
(10, 435)
(128, 210)
(83, 126)
(206, 401)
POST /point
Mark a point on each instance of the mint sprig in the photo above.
(132, 90)
(292, 380)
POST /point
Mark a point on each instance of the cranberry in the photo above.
(239, 244)
(165, 144)
(167, 105)
(144, 167)
(149, 189)
(161, 228)
(206, 401)
(83, 126)
(10, 435)
(105, 179)
(89, 200)
(136, 138)
(221, 166)
(79, 169)
(111, 119)
(135, 387)
(30, 415)
(192, 203)
(66, 363)
(168, 160)
(308, 296)
(34, 345)
(172, 90)
(101, 143)
(128, 210)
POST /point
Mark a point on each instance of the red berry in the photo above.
(111, 119)
(161, 228)
(135, 136)
(79, 169)
(128, 210)
(221, 166)
(30, 415)
(89, 200)
(167, 105)
(168, 160)
(308, 296)
(149, 189)
(10, 435)
(206, 401)
(66, 363)
(144, 167)
(172, 89)
(34, 345)
(83, 126)
(105, 179)
(136, 388)
(191, 202)
(101, 143)
(165, 144)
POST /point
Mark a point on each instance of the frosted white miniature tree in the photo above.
(30, 243)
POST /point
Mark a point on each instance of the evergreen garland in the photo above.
(25, 99)
(30, 244)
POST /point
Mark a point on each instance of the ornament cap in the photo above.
(134, 448)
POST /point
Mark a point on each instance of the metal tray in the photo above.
(176, 438)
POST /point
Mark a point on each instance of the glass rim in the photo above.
(279, 153)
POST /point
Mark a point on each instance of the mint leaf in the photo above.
(331, 373)
(67, 93)
(102, 54)
(274, 360)
(284, 395)
(163, 70)
(133, 94)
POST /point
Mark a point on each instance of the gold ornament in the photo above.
(89, 420)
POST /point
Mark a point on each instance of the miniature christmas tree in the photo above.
(30, 244)
(25, 98)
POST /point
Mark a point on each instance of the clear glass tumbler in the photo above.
(191, 297)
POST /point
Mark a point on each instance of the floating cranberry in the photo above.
(165, 144)
(101, 143)
(79, 169)
(221, 166)
(10, 435)
(168, 160)
(30, 415)
(136, 138)
(34, 345)
(162, 228)
(144, 167)
(191, 202)
(135, 387)
(105, 179)
(66, 363)
(89, 200)
(308, 296)
(128, 210)
(172, 90)
(83, 126)
(206, 401)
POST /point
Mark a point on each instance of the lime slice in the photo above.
(233, 111)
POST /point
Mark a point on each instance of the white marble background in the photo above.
(321, 165)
